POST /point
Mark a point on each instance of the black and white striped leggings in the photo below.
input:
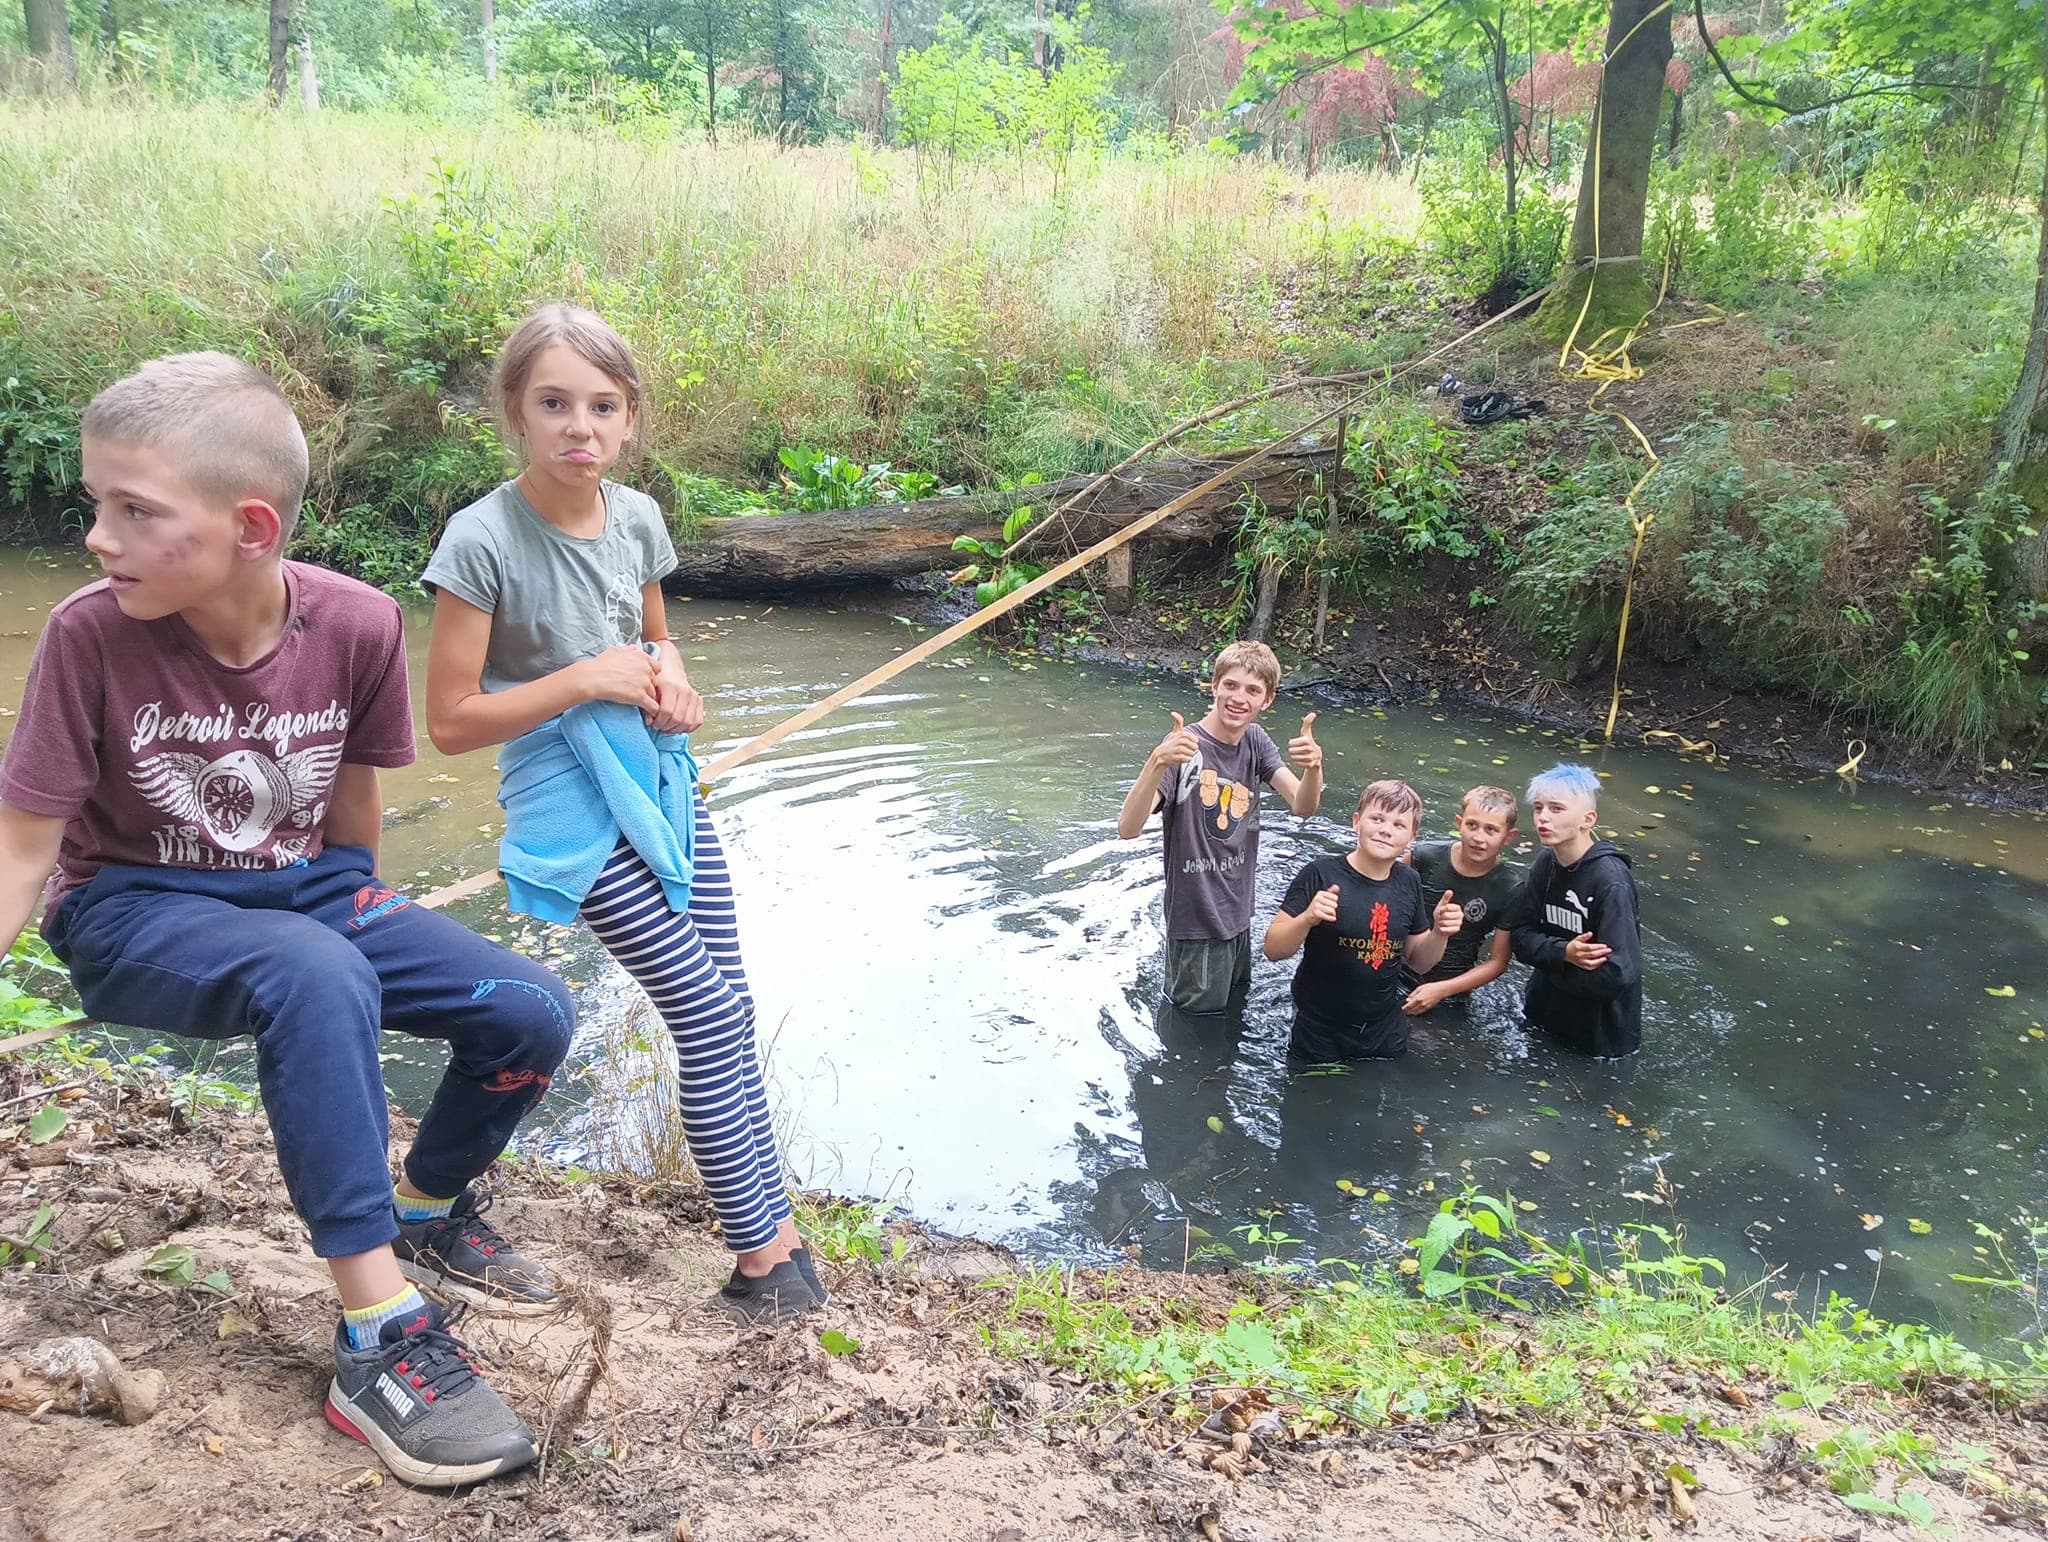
(689, 965)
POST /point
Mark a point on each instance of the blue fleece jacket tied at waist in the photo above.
(571, 787)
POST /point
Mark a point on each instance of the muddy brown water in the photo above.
(956, 963)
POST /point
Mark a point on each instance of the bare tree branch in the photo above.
(1700, 18)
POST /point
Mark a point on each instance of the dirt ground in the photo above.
(661, 1420)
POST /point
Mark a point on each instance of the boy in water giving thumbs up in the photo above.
(1204, 780)
(1362, 917)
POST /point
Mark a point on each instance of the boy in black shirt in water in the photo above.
(1489, 889)
(1578, 929)
(1361, 918)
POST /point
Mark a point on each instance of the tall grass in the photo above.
(775, 295)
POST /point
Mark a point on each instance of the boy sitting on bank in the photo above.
(1360, 917)
(1205, 779)
(197, 757)
(1488, 891)
(1578, 929)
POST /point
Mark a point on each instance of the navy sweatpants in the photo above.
(313, 960)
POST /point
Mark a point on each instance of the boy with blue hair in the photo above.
(197, 758)
(1578, 930)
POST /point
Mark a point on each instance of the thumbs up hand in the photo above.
(1303, 750)
(1178, 747)
(1450, 915)
(1323, 908)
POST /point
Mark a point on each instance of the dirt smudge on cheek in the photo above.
(176, 555)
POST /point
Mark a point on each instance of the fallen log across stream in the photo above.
(764, 554)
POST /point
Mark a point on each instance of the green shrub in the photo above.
(1736, 566)
(1566, 590)
(1959, 676)
(1932, 210)
(1465, 222)
(473, 262)
(38, 425)
(1729, 226)
(1405, 481)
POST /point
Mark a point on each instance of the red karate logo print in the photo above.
(1379, 948)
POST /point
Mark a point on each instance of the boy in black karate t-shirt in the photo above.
(1361, 917)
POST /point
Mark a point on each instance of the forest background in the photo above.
(871, 251)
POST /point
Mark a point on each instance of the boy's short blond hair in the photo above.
(1493, 800)
(1395, 796)
(1254, 658)
(220, 421)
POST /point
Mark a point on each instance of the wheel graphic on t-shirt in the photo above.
(240, 798)
(237, 800)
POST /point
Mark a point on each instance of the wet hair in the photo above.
(1395, 796)
(584, 333)
(1494, 800)
(220, 422)
(1578, 781)
(1254, 658)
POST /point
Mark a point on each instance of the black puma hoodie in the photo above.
(1595, 1011)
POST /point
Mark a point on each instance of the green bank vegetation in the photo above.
(881, 250)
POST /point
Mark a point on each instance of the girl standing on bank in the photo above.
(550, 638)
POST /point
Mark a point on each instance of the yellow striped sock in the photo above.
(366, 1323)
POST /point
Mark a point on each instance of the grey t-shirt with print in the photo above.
(555, 598)
(1211, 818)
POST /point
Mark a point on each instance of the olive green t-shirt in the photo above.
(1490, 901)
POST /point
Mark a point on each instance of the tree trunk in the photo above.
(309, 78)
(2019, 165)
(487, 18)
(1038, 38)
(1333, 505)
(880, 125)
(280, 48)
(1268, 599)
(710, 93)
(1677, 122)
(49, 43)
(1987, 102)
(2023, 431)
(843, 548)
(1510, 136)
(1614, 182)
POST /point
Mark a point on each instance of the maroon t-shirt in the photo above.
(157, 754)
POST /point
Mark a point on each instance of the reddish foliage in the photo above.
(1561, 84)
(1685, 29)
(1558, 83)
(1365, 91)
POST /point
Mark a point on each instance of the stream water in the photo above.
(956, 963)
